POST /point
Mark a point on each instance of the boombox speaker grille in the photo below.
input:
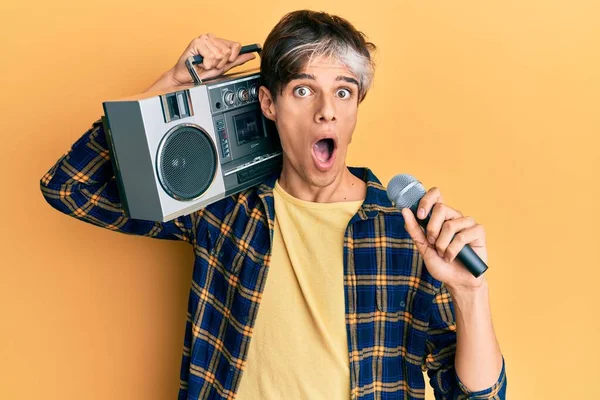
(186, 162)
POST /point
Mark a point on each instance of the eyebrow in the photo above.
(312, 77)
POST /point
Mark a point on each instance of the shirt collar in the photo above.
(376, 200)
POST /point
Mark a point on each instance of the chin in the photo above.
(322, 179)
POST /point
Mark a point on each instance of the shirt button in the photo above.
(402, 303)
(221, 254)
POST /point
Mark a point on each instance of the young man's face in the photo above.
(315, 115)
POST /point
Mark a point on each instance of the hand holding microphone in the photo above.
(454, 248)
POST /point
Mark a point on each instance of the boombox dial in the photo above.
(243, 95)
(229, 98)
(254, 92)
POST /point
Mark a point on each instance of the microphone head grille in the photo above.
(405, 190)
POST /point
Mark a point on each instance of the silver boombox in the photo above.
(179, 151)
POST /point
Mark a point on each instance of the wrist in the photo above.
(166, 80)
(459, 293)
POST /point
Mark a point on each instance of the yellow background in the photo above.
(497, 103)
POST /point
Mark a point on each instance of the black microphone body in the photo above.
(406, 191)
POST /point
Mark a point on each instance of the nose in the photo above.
(325, 109)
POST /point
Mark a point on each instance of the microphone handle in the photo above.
(466, 255)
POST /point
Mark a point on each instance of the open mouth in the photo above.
(323, 152)
(324, 149)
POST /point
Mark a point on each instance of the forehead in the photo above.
(324, 67)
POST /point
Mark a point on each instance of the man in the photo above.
(359, 300)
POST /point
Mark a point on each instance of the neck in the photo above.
(344, 187)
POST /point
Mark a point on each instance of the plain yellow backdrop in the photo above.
(496, 103)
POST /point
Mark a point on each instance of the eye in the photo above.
(302, 91)
(344, 93)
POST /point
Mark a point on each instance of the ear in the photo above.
(267, 104)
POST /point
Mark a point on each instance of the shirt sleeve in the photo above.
(82, 185)
(441, 349)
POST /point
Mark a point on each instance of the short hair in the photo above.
(303, 35)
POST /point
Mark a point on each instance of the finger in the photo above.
(474, 236)
(198, 46)
(216, 72)
(213, 57)
(449, 229)
(224, 50)
(441, 213)
(427, 202)
(414, 230)
(235, 48)
(244, 58)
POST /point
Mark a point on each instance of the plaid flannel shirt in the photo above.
(400, 321)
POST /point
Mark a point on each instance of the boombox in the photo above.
(178, 151)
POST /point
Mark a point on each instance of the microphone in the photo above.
(406, 191)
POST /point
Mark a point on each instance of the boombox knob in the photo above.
(229, 98)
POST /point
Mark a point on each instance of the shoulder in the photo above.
(219, 211)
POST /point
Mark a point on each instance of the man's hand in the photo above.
(220, 55)
(438, 248)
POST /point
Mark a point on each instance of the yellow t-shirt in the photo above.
(299, 348)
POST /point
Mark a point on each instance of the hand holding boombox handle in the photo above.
(195, 60)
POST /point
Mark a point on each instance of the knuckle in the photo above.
(449, 226)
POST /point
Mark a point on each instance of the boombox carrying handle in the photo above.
(195, 60)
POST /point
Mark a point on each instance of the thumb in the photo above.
(414, 230)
